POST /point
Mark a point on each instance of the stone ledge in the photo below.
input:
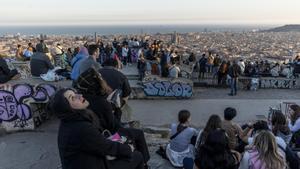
(163, 132)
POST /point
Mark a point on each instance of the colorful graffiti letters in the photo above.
(15, 111)
(168, 89)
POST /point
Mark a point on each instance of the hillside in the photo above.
(285, 28)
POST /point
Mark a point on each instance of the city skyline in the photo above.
(130, 12)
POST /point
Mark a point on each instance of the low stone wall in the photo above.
(155, 86)
(270, 83)
(22, 106)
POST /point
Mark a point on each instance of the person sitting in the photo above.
(294, 125)
(214, 122)
(28, 52)
(259, 126)
(19, 53)
(291, 157)
(95, 89)
(264, 153)
(181, 145)
(91, 61)
(75, 63)
(40, 62)
(294, 121)
(60, 58)
(280, 127)
(233, 130)
(80, 142)
(216, 153)
(5, 73)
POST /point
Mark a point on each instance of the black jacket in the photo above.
(103, 109)
(82, 146)
(116, 80)
(40, 64)
(5, 72)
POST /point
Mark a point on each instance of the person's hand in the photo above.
(250, 125)
(288, 116)
(131, 147)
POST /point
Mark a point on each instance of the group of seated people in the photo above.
(91, 134)
(227, 145)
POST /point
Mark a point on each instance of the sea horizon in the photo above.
(77, 30)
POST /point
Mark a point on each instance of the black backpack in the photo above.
(291, 157)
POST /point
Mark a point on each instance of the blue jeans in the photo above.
(233, 86)
(188, 163)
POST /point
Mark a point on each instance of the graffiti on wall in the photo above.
(168, 89)
(278, 83)
(15, 109)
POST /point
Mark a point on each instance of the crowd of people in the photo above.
(224, 144)
(92, 134)
(155, 58)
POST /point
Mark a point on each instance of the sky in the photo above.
(124, 12)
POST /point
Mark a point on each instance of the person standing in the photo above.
(234, 72)
(19, 53)
(125, 51)
(202, 65)
(116, 81)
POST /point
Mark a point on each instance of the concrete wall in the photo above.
(271, 83)
(22, 106)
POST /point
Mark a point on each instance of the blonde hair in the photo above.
(267, 148)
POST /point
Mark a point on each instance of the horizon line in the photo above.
(151, 24)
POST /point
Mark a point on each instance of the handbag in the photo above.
(115, 98)
(113, 137)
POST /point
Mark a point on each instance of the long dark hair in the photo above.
(279, 123)
(60, 106)
(214, 122)
(183, 117)
(215, 152)
(296, 114)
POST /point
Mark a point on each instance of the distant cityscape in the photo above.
(252, 44)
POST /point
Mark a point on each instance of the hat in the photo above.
(59, 105)
(58, 50)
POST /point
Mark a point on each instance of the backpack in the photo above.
(295, 141)
(291, 157)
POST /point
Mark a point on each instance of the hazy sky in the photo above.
(99, 12)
